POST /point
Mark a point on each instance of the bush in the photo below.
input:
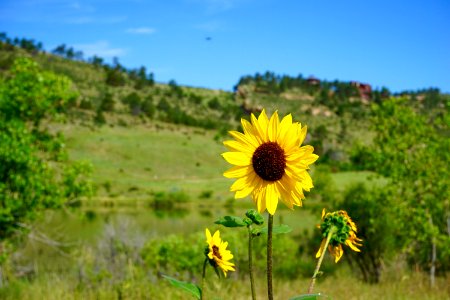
(148, 107)
(372, 211)
(133, 100)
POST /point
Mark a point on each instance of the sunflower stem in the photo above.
(203, 279)
(319, 262)
(250, 260)
(269, 258)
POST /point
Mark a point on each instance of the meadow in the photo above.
(132, 164)
(110, 179)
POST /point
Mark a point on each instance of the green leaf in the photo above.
(231, 221)
(256, 232)
(309, 297)
(277, 229)
(255, 216)
(248, 221)
(186, 286)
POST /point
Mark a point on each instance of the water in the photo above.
(62, 240)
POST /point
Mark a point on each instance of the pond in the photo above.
(61, 241)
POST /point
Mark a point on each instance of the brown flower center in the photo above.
(216, 252)
(269, 161)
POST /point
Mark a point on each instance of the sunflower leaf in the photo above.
(277, 229)
(186, 286)
(231, 221)
(256, 232)
(309, 297)
(255, 216)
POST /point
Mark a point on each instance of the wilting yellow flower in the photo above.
(269, 162)
(218, 254)
(344, 233)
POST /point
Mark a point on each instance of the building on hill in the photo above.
(364, 89)
(313, 80)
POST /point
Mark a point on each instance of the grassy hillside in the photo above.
(136, 161)
(149, 157)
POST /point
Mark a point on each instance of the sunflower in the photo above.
(217, 252)
(344, 233)
(269, 162)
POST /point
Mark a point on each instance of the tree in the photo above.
(133, 100)
(414, 155)
(107, 103)
(35, 173)
(148, 107)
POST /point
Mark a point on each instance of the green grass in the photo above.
(158, 157)
(344, 179)
(149, 158)
(340, 287)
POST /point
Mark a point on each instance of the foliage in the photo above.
(372, 210)
(174, 254)
(32, 95)
(34, 171)
(190, 288)
(414, 155)
(107, 102)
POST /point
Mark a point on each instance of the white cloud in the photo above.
(141, 30)
(100, 48)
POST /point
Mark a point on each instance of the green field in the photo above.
(160, 157)
(155, 151)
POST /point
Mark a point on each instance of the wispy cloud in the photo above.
(100, 48)
(141, 30)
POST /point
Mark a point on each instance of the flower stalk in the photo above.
(269, 258)
(203, 279)
(250, 261)
(319, 262)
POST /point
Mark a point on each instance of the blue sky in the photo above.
(402, 45)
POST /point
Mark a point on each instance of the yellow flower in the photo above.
(218, 254)
(344, 233)
(269, 162)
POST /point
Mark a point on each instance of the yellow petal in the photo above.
(310, 159)
(306, 183)
(237, 158)
(272, 130)
(208, 235)
(240, 184)
(323, 213)
(240, 137)
(337, 252)
(239, 147)
(250, 132)
(285, 124)
(250, 186)
(284, 195)
(237, 171)
(216, 237)
(271, 198)
(262, 119)
(353, 247)
(302, 134)
(259, 197)
(291, 138)
(261, 131)
(321, 249)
